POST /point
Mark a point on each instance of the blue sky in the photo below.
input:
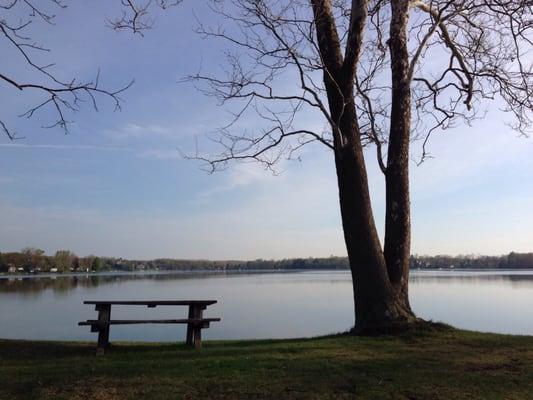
(117, 185)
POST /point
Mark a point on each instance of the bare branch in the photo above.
(136, 15)
(64, 97)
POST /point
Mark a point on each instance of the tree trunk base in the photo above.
(416, 325)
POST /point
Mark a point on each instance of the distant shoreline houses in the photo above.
(34, 261)
(11, 269)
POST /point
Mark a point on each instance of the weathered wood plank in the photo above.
(147, 321)
(152, 303)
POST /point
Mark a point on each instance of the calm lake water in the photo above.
(256, 305)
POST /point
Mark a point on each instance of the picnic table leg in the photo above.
(104, 315)
(198, 314)
(188, 341)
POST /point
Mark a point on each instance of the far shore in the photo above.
(46, 274)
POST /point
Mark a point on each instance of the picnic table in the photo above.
(195, 320)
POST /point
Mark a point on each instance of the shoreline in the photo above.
(237, 271)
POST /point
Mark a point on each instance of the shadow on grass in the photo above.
(17, 349)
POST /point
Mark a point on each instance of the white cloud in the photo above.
(161, 154)
(240, 175)
(63, 146)
(136, 131)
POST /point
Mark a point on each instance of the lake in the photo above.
(281, 304)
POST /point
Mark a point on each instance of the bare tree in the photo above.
(381, 73)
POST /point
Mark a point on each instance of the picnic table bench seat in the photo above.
(195, 321)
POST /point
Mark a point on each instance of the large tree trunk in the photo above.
(380, 277)
(380, 303)
(398, 209)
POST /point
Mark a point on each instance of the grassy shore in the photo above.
(437, 364)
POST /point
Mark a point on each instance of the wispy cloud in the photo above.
(132, 130)
(161, 154)
(63, 146)
(238, 176)
(150, 153)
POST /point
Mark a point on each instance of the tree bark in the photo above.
(380, 302)
(380, 277)
(397, 218)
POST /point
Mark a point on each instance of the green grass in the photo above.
(435, 364)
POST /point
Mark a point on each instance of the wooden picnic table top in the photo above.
(152, 302)
(146, 321)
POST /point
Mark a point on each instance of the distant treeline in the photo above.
(31, 260)
(511, 261)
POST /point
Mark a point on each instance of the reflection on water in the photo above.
(515, 278)
(32, 285)
(256, 304)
